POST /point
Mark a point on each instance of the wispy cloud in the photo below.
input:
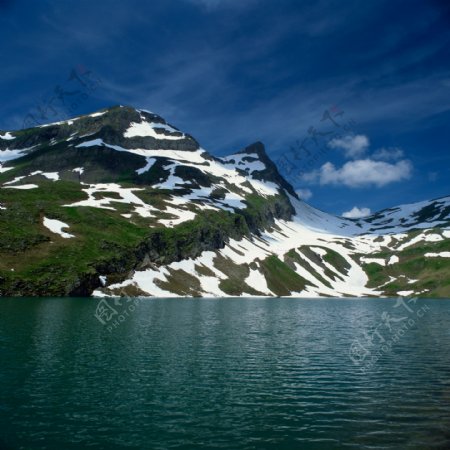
(304, 194)
(388, 154)
(353, 146)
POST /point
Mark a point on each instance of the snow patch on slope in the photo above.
(22, 186)
(56, 226)
(7, 136)
(438, 255)
(49, 175)
(97, 114)
(9, 155)
(147, 129)
(422, 237)
(126, 196)
(147, 167)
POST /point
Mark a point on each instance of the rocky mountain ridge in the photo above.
(119, 202)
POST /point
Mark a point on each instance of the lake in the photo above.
(224, 374)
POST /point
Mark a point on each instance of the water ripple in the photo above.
(222, 374)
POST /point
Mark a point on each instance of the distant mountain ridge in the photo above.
(120, 202)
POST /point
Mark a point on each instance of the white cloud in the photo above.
(361, 173)
(356, 213)
(388, 154)
(304, 194)
(353, 146)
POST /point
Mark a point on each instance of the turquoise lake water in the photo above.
(224, 374)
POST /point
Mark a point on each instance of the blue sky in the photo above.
(231, 72)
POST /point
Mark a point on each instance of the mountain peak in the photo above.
(257, 147)
(122, 143)
(257, 151)
(135, 133)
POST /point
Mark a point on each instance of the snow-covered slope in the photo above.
(147, 211)
(425, 214)
(328, 253)
(157, 155)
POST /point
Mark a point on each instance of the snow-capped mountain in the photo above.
(120, 202)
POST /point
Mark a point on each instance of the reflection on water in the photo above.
(225, 373)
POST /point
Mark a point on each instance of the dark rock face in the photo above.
(265, 215)
(101, 164)
(84, 286)
(195, 176)
(271, 173)
(110, 127)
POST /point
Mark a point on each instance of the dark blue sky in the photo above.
(231, 72)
